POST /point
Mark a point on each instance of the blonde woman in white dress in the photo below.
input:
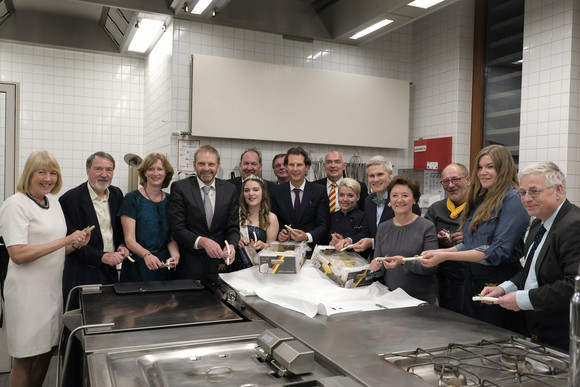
(34, 231)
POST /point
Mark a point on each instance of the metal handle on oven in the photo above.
(60, 370)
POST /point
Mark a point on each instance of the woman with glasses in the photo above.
(145, 224)
(493, 222)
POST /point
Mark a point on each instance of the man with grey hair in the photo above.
(94, 203)
(377, 209)
(250, 164)
(545, 284)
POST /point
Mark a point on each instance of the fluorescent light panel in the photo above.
(424, 3)
(147, 31)
(201, 6)
(371, 29)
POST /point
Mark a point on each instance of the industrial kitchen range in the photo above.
(195, 336)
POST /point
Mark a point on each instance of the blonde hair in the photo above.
(350, 183)
(492, 198)
(148, 162)
(39, 160)
(264, 214)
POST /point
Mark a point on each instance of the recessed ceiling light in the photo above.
(424, 3)
(201, 6)
(147, 31)
(370, 29)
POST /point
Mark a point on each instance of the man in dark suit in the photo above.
(544, 287)
(250, 164)
(300, 205)
(334, 166)
(203, 215)
(377, 209)
(94, 203)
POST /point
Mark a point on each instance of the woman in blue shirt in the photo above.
(493, 223)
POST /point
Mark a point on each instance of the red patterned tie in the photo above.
(332, 198)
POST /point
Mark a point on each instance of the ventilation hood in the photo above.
(107, 25)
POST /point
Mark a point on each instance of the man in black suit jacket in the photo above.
(309, 220)
(250, 164)
(201, 222)
(334, 166)
(544, 287)
(94, 203)
(377, 209)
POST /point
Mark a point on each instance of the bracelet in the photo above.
(74, 247)
(146, 254)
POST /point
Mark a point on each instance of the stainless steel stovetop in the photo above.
(513, 362)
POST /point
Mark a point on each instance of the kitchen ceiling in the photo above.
(86, 24)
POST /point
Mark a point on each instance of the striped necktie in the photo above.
(530, 257)
(332, 198)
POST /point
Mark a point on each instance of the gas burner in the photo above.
(507, 363)
(515, 359)
(448, 370)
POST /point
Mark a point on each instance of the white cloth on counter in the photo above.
(311, 293)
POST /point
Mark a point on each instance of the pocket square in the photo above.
(310, 204)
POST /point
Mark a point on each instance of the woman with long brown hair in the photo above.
(493, 223)
(258, 226)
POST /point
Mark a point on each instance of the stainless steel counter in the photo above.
(353, 341)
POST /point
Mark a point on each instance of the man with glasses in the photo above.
(446, 215)
(544, 286)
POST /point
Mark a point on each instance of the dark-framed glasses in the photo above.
(534, 193)
(454, 180)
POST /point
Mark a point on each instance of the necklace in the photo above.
(149, 197)
(43, 206)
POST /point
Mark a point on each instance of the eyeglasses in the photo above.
(455, 181)
(534, 193)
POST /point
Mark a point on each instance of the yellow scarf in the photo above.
(455, 211)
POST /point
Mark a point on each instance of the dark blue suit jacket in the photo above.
(84, 266)
(313, 217)
(371, 216)
(187, 221)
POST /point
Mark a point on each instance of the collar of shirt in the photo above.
(550, 221)
(201, 184)
(329, 184)
(301, 187)
(94, 195)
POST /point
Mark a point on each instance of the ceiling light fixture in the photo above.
(201, 6)
(147, 31)
(424, 3)
(371, 29)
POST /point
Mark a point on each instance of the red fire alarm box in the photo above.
(432, 154)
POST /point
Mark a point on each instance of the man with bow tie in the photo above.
(301, 206)
(446, 215)
(377, 209)
(544, 286)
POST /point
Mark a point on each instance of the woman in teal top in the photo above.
(145, 224)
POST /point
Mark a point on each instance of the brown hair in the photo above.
(412, 184)
(264, 214)
(206, 148)
(148, 162)
(493, 196)
(298, 151)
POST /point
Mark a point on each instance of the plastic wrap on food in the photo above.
(347, 269)
(283, 257)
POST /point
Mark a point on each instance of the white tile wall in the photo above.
(442, 77)
(75, 103)
(550, 96)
